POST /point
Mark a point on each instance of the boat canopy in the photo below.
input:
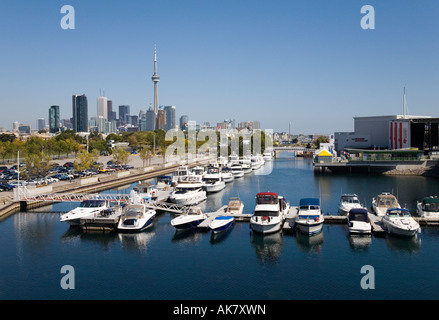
(395, 212)
(267, 198)
(305, 202)
(387, 200)
(358, 214)
(430, 204)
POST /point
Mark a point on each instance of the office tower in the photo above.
(183, 122)
(54, 119)
(161, 120)
(80, 113)
(170, 117)
(150, 119)
(109, 106)
(155, 79)
(102, 107)
(124, 111)
(41, 124)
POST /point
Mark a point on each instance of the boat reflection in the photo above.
(268, 247)
(359, 242)
(137, 242)
(312, 244)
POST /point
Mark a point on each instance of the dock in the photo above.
(222, 211)
(101, 222)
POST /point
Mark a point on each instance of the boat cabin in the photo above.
(430, 204)
(387, 200)
(349, 198)
(267, 198)
(92, 203)
(309, 204)
(398, 213)
(358, 215)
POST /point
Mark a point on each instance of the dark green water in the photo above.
(161, 264)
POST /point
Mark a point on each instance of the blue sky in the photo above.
(308, 62)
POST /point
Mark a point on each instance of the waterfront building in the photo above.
(170, 117)
(102, 110)
(80, 113)
(54, 119)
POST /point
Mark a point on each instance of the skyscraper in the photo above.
(170, 117)
(41, 124)
(103, 107)
(80, 113)
(183, 122)
(54, 119)
(124, 111)
(150, 119)
(155, 79)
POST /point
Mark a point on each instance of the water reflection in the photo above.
(268, 247)
(359, 242)
(410, 245)
(217, 238)
(137, 242)
(310, 244)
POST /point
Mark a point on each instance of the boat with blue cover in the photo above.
(310, 218)
(221, 223)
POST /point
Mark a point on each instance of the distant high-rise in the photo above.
(150, 119)
(41, 124)
(183, 122)
(170, 117)
(155, 79)
(80, 113)
(102, 107)
(124, 111)
(161, 120)
(54, 119)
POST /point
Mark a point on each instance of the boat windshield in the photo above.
(309, 207)
(350, 200)
(92, 204)
(387, 202)
(431, 207)
(399, 214)
(133, 211)
(266, 214)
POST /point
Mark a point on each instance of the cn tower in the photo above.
(156, 79)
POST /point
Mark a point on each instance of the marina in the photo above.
(160, 247)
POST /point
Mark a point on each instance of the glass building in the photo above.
(80, 113)
(54, 119)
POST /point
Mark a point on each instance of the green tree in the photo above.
(121, 156)
(146, 154)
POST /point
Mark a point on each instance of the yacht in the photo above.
(227, 174)
(246, 165)
(400, 222)
(182, 171)
(358, 221)
(268, 156)
(213, 181)
(269, 213)
(198, 171)
(428, 207)
(384, 201)
(237, 171)
(189, 220)
(136, 217)
(189, 191)
(222, 161)
(87, 208)
(348, 202)
(256, 164)
(221, 223)
(309, 218)
(233, 159)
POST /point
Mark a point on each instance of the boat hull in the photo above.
(189, 224)
(396, 230)
(140, 226)
(210, 188)
(309, 227)
(359, 227)
(189, 199)
(221, 224)
(266, 227)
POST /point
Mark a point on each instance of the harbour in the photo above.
(236, 264)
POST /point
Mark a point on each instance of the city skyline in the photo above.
(312, 63)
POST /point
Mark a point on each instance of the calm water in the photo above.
(163, 264)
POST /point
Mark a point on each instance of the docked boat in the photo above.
(246, 165)
(358, 221)
(189, 220)
(309, 218)
(268, 156)
(428, 207)
(235, 206)
(348, 202)
(135, 218)
(227, 174)
(399, 221)
(221, 223)
(189, 191)
(198, 171)
(182, 172)
(384, 201)
(87, 208)
(233, 159)
(256, 162)
(213, 181)
(269, 212)
(237, 171)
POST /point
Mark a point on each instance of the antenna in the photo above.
(404, 107)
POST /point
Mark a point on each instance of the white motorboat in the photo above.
(400, 222)
(268, 156)
(428, 207)
(233, 159)
(384, 201)
(246, 165)
(135, 218)
(358, 221)
(87, 208)
(189, 191)
(235, 206)
(348, 202)
(198, 171)
(222, 161)
(237, 171)
(182, 171)
(268, 216)
(310, 218)
(221, 223)
(213, 181)
(189, 220)
(227, 174)
(256, 163)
